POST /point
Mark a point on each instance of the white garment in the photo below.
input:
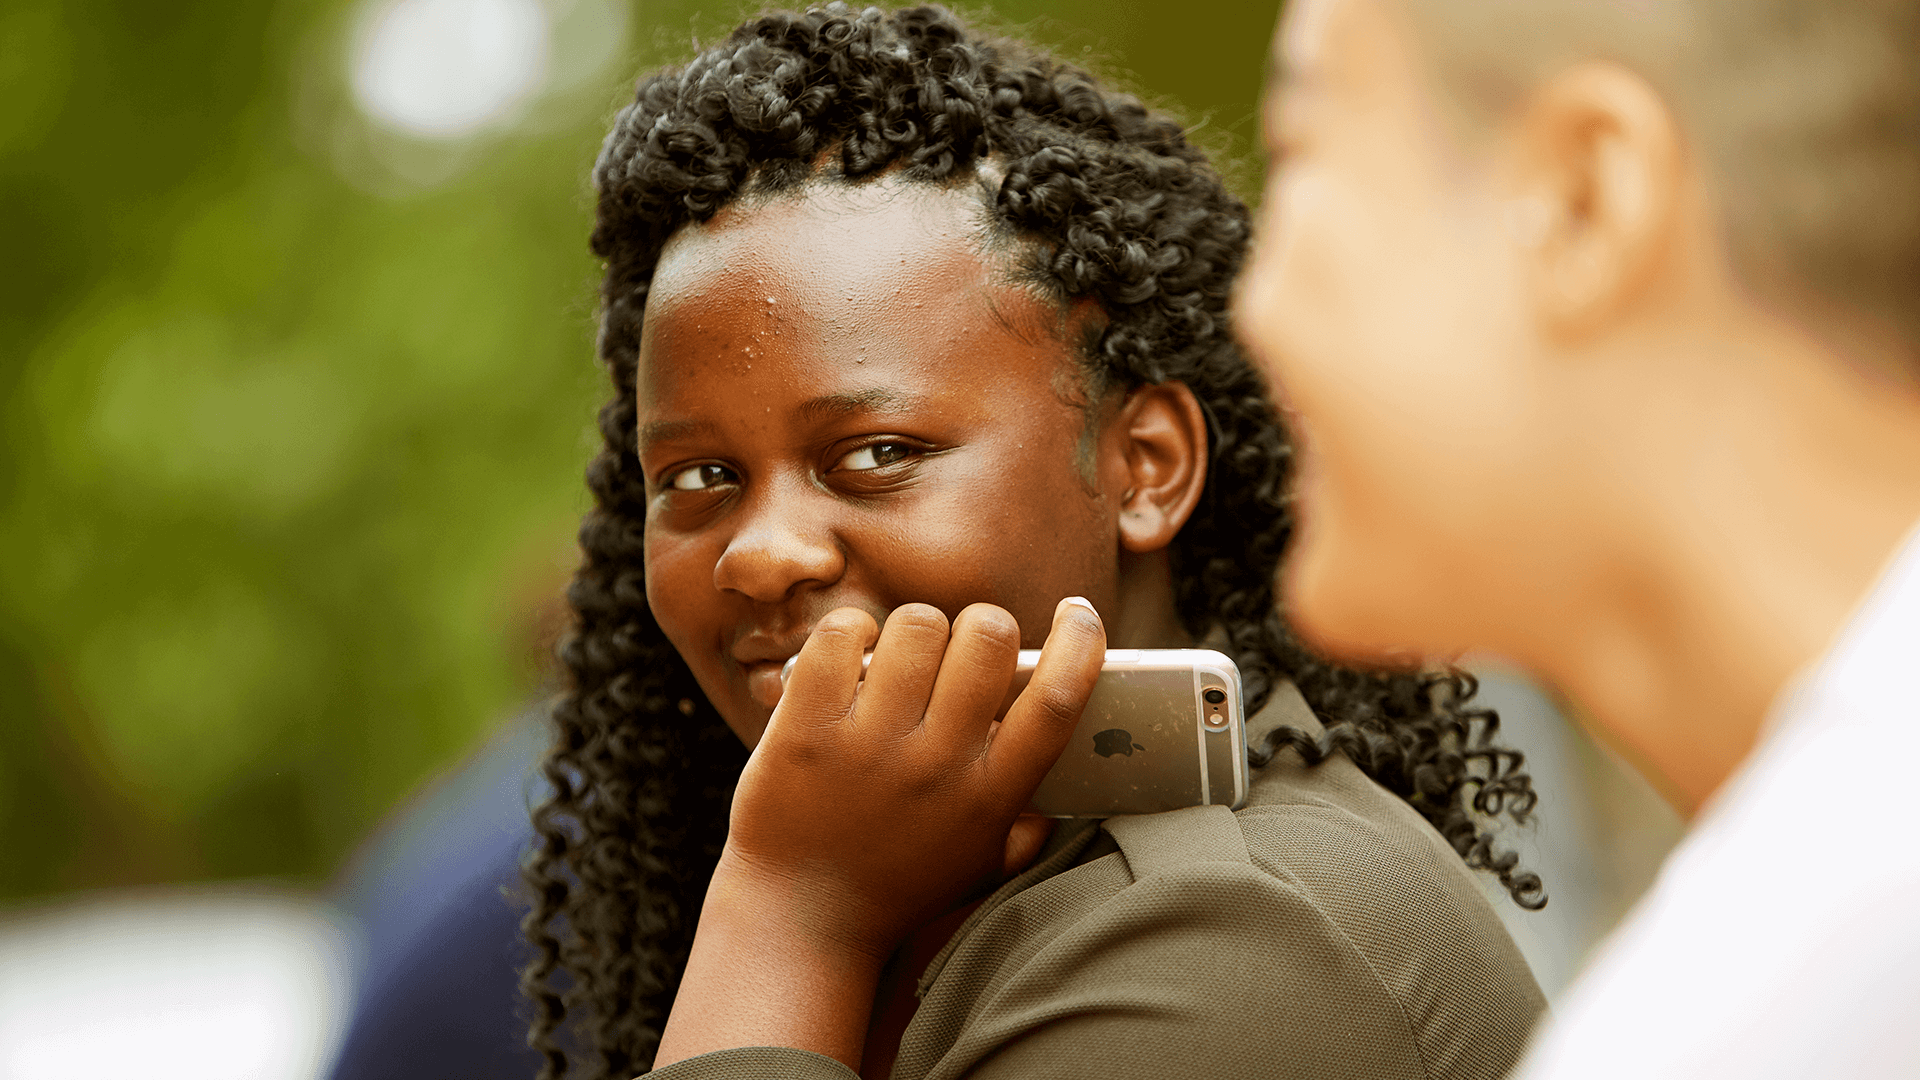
(1783, 937)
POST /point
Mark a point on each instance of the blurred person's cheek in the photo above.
(1374, 304)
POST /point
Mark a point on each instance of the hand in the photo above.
(867, 810)
(878, 811)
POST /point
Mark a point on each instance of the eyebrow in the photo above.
(872, 399)
(659, 431)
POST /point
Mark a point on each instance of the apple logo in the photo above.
(1116, 741)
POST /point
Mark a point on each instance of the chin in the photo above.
(1335, 604)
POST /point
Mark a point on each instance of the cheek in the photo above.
(692, 615)
(1384, 321)
(680, 592)
(1390, 305)
(1006, 533)
(1327, 310)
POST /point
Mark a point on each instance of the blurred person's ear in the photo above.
(1597, 202)
(1156, 446)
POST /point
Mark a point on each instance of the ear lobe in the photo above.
(1162, 454)
(1600, 192)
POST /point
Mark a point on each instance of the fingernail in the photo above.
(1082, 602)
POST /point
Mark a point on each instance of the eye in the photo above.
(875, 456)
(701, 477)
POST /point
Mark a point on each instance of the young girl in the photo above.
(904, 320)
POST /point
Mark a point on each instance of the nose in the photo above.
(783, 544)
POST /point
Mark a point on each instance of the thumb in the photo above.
(1024, 841)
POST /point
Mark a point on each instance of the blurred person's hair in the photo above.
(1806, 115)
(1105, 200)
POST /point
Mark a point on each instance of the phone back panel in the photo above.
(1148, 740)
(1142, 745)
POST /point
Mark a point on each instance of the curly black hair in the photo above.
(1112, 203)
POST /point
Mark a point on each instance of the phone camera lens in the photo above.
(1215, 695)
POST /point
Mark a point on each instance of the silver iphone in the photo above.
(1164, 729)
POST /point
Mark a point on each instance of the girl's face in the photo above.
(843, 403)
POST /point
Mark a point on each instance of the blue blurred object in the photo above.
(438, 898)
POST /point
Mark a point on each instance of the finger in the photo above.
(1042, 719)
(1024, 842)
(825, 678)
(973, 678)
(900, 679)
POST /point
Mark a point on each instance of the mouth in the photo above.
(763, 682)
(761, 656)
(760, 651)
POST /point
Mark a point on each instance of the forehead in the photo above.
(1300, 37)
(880, 258)
(885, 276)
(1345, 49)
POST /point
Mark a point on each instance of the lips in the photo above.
(761, 656)
(763, 682)
(761, 650)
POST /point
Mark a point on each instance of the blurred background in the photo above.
(296, 388)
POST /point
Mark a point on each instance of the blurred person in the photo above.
(437, 901)
(1598, 320)
(906, 325)
(436, 892)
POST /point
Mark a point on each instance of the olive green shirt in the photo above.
(1324, 931)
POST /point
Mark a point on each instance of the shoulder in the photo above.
(1379, 870)
(1144, 961)
(1365, 877)
(1183, 944)
(1741, 960)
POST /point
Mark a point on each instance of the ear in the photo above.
(1600, 186)
(1154, 463)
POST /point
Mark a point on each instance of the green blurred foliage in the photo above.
(294, 412)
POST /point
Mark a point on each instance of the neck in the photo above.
(1145, 616)
(1762, 502)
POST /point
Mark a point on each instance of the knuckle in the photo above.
(939, 784)
(989, 625)
(1056, 705)
(806, 755)
(813, 714)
